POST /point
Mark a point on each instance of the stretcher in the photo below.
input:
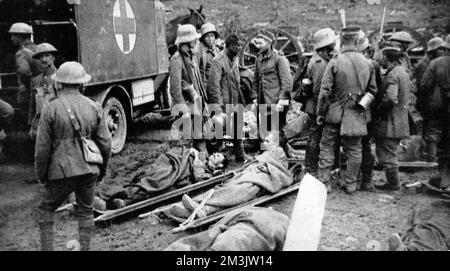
(103, 216)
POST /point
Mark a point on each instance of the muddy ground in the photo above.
(350, 222)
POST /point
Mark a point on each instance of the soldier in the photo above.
(272, 83)
(324, 45)
(368, 159)
(60, 161)
(405, 40)
(224, 88)
(186, 84)
(433, 51)
(347, 78)
(208, 50)
(429, 123)
(26, 67)
(42, 86)
(435, 86)
(391, 115)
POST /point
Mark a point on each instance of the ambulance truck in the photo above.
(121, 44)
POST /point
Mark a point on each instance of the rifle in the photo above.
(380, 37)
(342, 12)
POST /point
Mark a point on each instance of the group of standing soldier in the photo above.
(353, 97)
(209, 76)
(60, 116)
(373, 95)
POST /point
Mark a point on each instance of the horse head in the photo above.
(196, 17)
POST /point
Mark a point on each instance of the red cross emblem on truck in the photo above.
(124, 26)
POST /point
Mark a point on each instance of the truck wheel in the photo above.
(116, 120)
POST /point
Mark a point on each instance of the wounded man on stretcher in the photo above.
(171, 170)
(268, 174)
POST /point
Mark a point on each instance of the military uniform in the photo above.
(272, 83)
(431, 130)
(42, 89)
(315, 70)
(368, 159)
(224, 89)
(60, 163)
(437, 80)
(340, 89)
(186, 86)
(391, 120)
(204, 58)
(26, 68)
(420, 69)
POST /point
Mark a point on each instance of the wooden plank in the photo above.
(306, 219)
(401, 165)
(108, 215)
(236, 209)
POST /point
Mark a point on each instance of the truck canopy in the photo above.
(115, 40)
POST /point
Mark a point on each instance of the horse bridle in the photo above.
(199, 18)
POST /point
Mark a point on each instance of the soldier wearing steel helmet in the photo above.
(435, 86)
(324, 45)
(390, 120)
(404, 40)
(186, 84)
(207, 50)
(429, 124)
(42, 86)
(26, 66)
(348, 77)
(59, 160)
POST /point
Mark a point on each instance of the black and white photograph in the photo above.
(225, 125)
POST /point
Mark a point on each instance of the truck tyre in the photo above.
(116, 120)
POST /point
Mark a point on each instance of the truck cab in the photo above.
(121, 44)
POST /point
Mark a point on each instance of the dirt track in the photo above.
(349, 222)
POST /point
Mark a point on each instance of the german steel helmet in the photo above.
(391, 46)
(186, 33)
(21, 28)
(434, 44)
(324, 37)
(71, 73)
(446, 43)
(208, 28)
(44, 48)
(402, 36)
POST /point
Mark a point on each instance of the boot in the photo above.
(46, 221)
(393, 182)
(46, 233)
(351, 173)
(324, 176)
(368, 187)
(430, 151)
(85, 230)
(366, 178)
